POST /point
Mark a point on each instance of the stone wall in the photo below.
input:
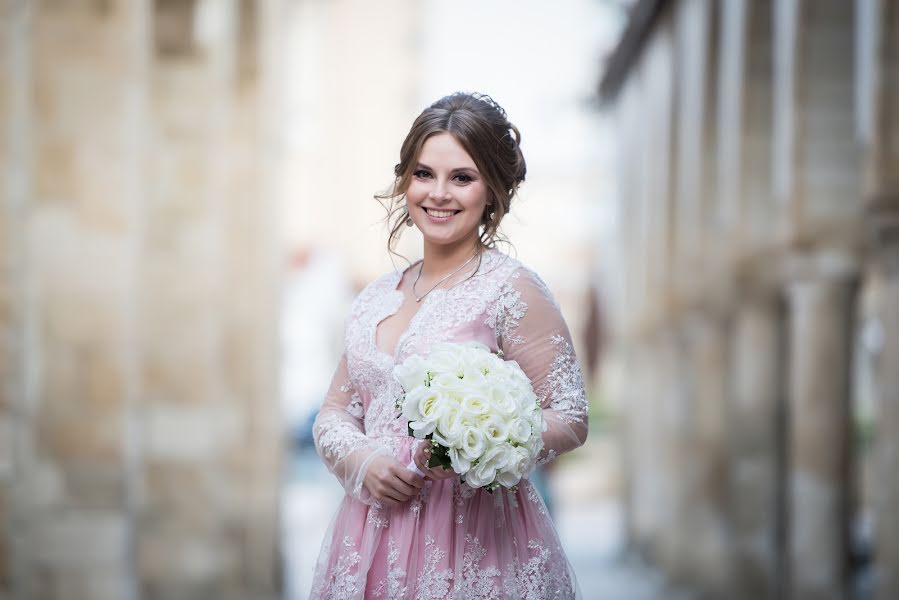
(137, 302)
(759, 202)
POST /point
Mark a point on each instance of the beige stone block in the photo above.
(39, 487)
(5, 536)
(175, 557)
(94, 486)
(6, 445)
(82, 538)
(193, 434)
(62, 583)
(74, 433)
(192, 493)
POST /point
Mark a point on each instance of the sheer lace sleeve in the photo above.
(532, 332)
(340, 438)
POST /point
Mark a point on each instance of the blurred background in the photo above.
(187, 212)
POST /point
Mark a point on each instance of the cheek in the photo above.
(416, 191)
(475, 199)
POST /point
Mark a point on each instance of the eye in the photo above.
(421, 173)
(464, 178)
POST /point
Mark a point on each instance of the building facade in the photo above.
(756, 303)
(139, 433)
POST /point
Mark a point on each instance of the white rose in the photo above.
(450, 426)
(445, 358)
(474, 404)
(480, 475)
(507, 478)
(473, 443)
(500, 400)
(410, 403)
(497, 456)
(431, 404)
(460, 462)
(518, 462)
(412, 373)
(520, 430)
(494, 427)
(448, 382)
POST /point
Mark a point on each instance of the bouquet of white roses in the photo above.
(479, 412)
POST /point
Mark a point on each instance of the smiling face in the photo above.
(447, 194)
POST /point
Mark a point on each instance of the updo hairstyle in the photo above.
(480, 125)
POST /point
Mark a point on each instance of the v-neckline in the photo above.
(395, 291)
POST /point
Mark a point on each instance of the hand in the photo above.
(390, 482)
(421, 456)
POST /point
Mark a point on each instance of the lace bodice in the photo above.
(505, 306)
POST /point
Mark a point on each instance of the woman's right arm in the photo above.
(365, 467)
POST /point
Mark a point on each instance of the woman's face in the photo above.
(446, 195)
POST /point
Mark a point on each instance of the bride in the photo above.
(398, 534)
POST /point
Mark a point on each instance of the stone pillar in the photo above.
(755, 417)
(15, 121)
(705, 464)
(75, 207)
(211, 457)
(887, 438)
(820, 297)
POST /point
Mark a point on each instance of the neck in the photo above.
(440, 259)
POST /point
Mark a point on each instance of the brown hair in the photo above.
(480, 125)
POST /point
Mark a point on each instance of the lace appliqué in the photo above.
(355, 406)
(535, 499)
(550, 456)
(342, 583)
(393, 584)
(504, 314)
(543, 577)
(564, 384)
(338, 438)
(432, 583)
(477, 583)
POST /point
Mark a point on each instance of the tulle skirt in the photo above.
(451, 541)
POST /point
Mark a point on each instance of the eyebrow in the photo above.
(456, 170)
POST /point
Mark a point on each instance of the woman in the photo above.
(397, 534)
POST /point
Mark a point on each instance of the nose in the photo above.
(439, 191)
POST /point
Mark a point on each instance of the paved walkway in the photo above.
(589, 524)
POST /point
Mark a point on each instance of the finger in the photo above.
(386, 501)
(442, 473)
(409, 478)
(393, 498)
(422, 462)
(406, 490)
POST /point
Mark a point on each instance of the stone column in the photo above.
(820, 297)
(887, 439)
(755, 417)
(77, 217)
(705, 463)
(15, 122)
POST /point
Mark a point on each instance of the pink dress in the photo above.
(450, 541)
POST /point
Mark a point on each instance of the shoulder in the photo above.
(375, 289)
(518, 278)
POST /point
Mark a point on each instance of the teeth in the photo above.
(440, 213)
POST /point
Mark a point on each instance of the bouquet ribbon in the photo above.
(414, 468)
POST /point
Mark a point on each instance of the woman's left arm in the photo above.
(532, 332)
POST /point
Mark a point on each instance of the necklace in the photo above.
(420, 298)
